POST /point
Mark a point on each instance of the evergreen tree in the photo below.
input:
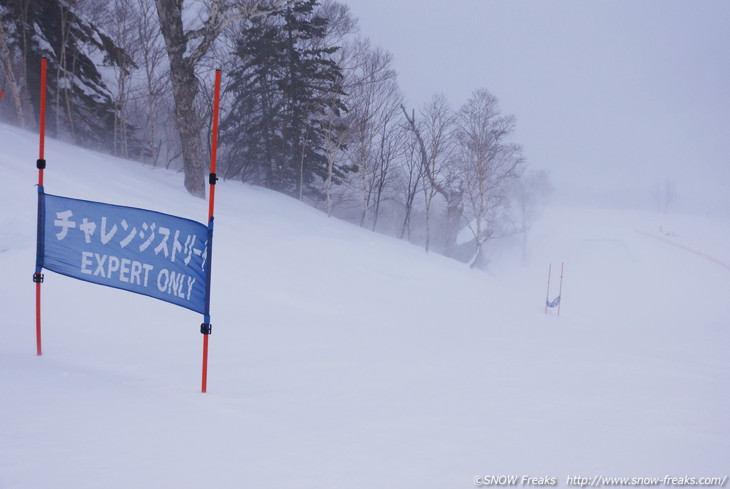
(79, 103)
(252, 128)
(283, 92)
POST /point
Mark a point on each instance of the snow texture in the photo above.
(342, 358)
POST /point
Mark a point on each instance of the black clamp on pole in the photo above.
(38, 278)
(40, 164)
(206, 328)
(212, 178)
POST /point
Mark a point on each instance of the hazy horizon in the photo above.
(612, 98)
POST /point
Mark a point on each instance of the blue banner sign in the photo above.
(138, 250)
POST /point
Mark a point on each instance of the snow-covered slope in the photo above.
(342, 358)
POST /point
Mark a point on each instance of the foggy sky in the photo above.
(612, 97)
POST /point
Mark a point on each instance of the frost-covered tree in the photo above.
(151, 55)
(8, 66)
(80, 105)
(14, 46)
(488, 162)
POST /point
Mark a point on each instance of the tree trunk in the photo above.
(185, 84)
(184, 90)
(411, 189)
(185, 87)
(454, 213)
(67, 96)
(477, 253)
(406, 226)
(428, 224)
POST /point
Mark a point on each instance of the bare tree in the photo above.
(438, 129)
(434, 138)
(28, 112)
(411, 173)
(340, 22)
(340, 26)
(336, 133)
(373, 105)
(185, 49)
(120, 18)
(488, 162)
(390, 148)
(63, 72)
(151, 55)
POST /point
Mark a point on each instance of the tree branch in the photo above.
(222, 14)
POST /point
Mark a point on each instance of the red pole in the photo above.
(41, 164)
(547, 294)
(211, 208)
(39, 349)
(2, 92)
(560, 292)
(41, 150)
(204, 386)
(214, 142)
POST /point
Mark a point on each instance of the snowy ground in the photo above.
(342, 358)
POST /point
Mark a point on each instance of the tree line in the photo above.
(310, 108)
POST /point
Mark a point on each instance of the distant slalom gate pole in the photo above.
(555, 302)
(206, 327)
(41, 165)
(547, 293)
(560, 291)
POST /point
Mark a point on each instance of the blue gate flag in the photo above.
(553, 303)
(138, 250)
